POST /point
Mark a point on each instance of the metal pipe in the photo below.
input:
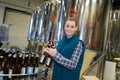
(100, 62)
(60, 22)
(52, 19)
(40, 35)
(33, 24)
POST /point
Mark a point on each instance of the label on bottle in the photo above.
(23, 69)
(42, 58)
(29, 70)
(10, 72)
(36, 70)
(48, 60)
(1, 78)
(1, 72)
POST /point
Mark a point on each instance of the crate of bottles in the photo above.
(16, 65)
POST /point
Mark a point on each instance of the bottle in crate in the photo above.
(24, 64)
(30, 64)
(7, 65)
(1, 52)
(19, 63)
(36, 63)
(1, 67)
(12, 67)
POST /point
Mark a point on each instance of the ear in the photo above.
(76, 28)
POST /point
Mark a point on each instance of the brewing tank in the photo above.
(91, 26)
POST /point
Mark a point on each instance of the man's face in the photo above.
(70, 28)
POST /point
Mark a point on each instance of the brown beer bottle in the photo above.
(1, 52)
(48, 61)
(36, 63)
(13, 67)
(24, 64)
(19, 63)
(30, 64)
(6, 52)
(45, 57)
(1, 67)
(30, 67)
(7, 65)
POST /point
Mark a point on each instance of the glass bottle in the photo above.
(30, 64)
(48, 61)
(30, 67)
(36, 63)
(7, 65)
(1, 52)
(24, 64)
(12, 67)
(19, 63)
(1, 67)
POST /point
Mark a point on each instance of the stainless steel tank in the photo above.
(91, 25)
(113, 35)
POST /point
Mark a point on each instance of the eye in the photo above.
(72, 26)
(67, 26)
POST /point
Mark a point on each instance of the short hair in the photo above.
(72, 19)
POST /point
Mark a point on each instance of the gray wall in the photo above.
(19, 21)
(23, 5)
